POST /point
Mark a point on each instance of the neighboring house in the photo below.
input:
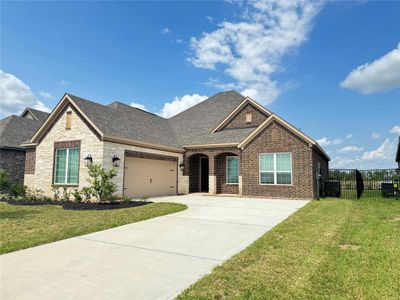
(14, 131)
(227, 144)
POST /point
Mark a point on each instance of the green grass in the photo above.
(303, 257)
(27, 226)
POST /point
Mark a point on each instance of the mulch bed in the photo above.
(80, 206)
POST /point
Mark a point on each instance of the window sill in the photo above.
(227, 183)
(275, 184)
(66, 184)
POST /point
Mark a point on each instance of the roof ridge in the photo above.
(205, 101)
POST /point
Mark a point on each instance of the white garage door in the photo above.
(148, 177)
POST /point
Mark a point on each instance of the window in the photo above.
(275, 168)
(232, 169)
(249, 118)
(66, 169)
(68, 120)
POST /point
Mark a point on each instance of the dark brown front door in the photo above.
(204, 174)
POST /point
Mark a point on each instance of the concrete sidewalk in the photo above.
(152, 259)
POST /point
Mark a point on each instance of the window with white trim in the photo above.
(66, 169)
(232, 169)
(275, 168)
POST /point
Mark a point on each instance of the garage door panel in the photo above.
(147, 177)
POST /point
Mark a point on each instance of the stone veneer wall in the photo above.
(276, 138)
(239, 121)
(44, 160)
(13, 161)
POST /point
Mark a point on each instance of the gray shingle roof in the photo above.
(40, 115)
(124, 121)
(194, 125)
(16, 130)
(191, 127)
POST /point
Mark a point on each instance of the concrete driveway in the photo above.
(153, 259)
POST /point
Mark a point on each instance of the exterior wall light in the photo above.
(116, 160)
(182, 166)
(88, 160)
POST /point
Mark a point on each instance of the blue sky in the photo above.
(300, 61)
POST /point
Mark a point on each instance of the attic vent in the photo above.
(249, 118)
(68, 120)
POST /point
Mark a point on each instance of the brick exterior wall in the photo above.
(324, 169)
(276, 138)
(239, 121)
(30, 159)
(13, 162)
(220, 169)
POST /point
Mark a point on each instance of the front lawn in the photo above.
(26, 226)
(330, 249)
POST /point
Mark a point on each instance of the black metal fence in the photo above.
(354, 183)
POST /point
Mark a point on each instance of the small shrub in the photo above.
(126, 199)
(18, 190)
(144, 198)
(77, 196)
(56, 192)
(87, 193)
(66, 194)
(100, 180)
(35, 195)
(4, 181)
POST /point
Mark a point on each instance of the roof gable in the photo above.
(246, 101)
(294, 130)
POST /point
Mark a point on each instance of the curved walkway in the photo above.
(152, 259)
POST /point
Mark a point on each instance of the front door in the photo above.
(204, 174)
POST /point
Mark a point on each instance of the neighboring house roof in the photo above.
(16, 130)
(195, 127)
(398, 151)
(34, 114)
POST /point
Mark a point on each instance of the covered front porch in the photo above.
(213, 171)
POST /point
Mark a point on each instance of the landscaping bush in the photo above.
(18, 190)
(100, 180)
(4, 181)
(87, 193)
(66, 194)
(56, 192)
(77, 196)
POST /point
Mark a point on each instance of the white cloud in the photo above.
(180, 104)
(46, 95)
(165, 30)
(395, 130)
(251, 50)
(64, 82)
(324, 141)
(385, 151)
(349, 136)
(15, 95)
(375, 136)
(350, 149)
(343, 162)
(336, 142)
(138, 105)
(381, 75)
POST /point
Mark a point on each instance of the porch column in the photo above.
(212, 178)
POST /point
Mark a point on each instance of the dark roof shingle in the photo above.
(16, 130)
(124, 121)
